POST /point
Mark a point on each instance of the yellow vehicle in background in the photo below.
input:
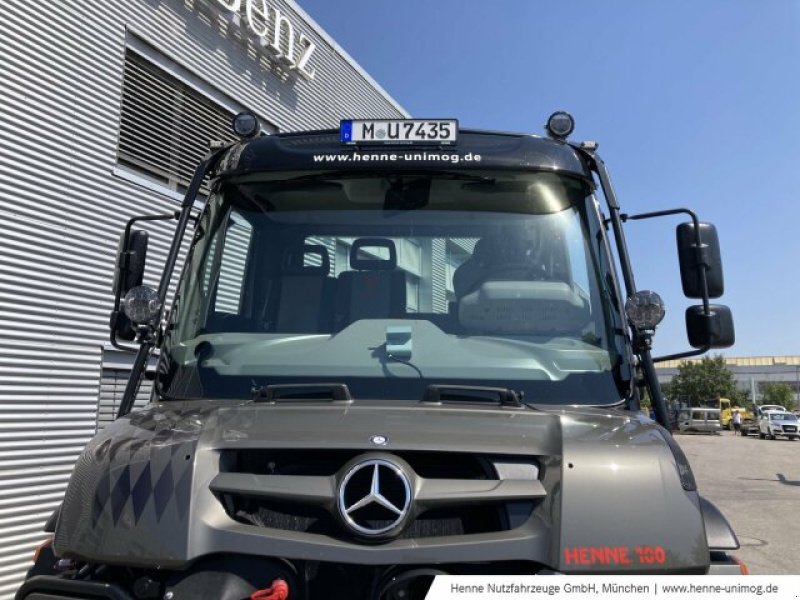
(726, 413)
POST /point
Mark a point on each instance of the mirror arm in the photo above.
(122, 263)
(643, 342)
(132, 387)
(702, 261)
(148, 337)
(656, 397)
(687, 354)
(700, 250)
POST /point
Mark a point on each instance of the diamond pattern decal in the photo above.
(183, 493)
(142, 492)
(101, 496)
(150, 468)
(163, 491)
(120, 493)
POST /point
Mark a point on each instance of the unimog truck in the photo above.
(396, 350)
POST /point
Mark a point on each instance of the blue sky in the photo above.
(694, 103)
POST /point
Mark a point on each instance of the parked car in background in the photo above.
(753, 426)
(776, 423)
(763, 408)
(705, 420)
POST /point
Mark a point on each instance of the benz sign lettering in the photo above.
(277, 34)
(374, 497)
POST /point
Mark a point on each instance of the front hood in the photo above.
(607, 497)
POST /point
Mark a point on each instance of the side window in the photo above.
(233, 264)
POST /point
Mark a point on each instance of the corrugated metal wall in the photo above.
(112, 387)
(62, 208)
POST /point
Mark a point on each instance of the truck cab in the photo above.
(397, 349)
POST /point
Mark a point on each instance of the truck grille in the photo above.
(459, 521)
(435, 465)
(244, 489)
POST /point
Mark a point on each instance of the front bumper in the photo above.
(45, 587)
(48, 587)
(783, 432)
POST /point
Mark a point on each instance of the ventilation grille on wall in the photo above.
(166, 125)
(112, 387)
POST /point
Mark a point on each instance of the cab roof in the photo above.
(474, 150)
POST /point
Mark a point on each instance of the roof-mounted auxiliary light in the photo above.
(246, 125)
(560, 124)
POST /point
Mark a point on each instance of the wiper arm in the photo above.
(437, 394)
(302, 392)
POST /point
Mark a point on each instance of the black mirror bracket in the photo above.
(642, 341)
(702, 261)
(687, 354)
(123, 262)
(616, 221)
(150, 335)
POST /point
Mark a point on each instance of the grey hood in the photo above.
(150, 489)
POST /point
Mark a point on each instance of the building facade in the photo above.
(106, 109)
(750, 372)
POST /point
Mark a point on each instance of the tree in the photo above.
(777, 393)
(707, 379)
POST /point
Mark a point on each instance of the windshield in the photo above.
(390, 283)
(783, 417)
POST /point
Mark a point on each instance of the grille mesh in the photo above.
(440, 522)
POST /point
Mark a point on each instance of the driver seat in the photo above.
(499, 259)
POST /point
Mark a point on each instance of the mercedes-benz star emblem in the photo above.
(374, 497)
(379, 440)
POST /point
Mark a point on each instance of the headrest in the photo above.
(373, 264)
(294, 264)
(491, 253)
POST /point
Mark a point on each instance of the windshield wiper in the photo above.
(437, 394)
(302, 392)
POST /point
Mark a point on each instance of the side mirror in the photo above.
(131, 257)
(691, 261)
(714, 329)
(130, 262)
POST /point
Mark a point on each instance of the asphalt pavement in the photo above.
(756, 484)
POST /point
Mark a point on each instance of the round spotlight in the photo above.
(246, 125)
(141, 304)
(645, 309)
(560, 124)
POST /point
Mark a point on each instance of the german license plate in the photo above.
(399, 131)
